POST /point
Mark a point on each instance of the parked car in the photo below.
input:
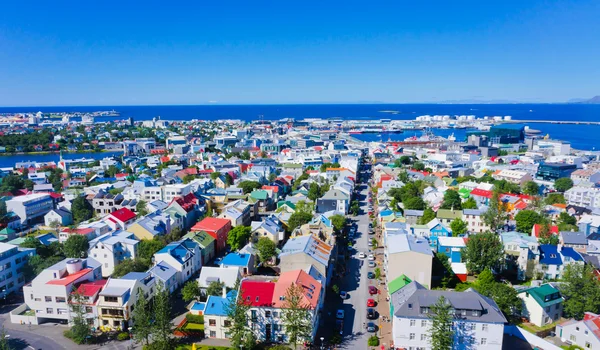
(362, 255)
(372, 264)
(371, 327)
(370, 275)
(371, 257)
(339, 314)
(344, 295)
(371, 303)
(371, 314)
(372, 290)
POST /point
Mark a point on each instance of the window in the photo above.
(212, 322)
(483, 341)
(213, 334)
(588, 345)
(226, 323)
(49, 300)
(412, 336)
(88, 310)
(61, 311)
(61, 300)
(49, 310)
(275, 314)
(577, 329)
(573, 338)
(267, 313)
(423, 323)
(111, 299)
(484, 327)
(412, 323)
(423, 337)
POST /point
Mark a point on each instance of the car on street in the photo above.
(372, 290)
(372, 264)
(371, 257)
(344, 295)
(370, 275)
(370, 243)
(371, 327)
(362, 255)
(371, 303)
(339, 314)
(371, 314)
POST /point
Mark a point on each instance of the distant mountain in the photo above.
(593, 100)
(477, 102)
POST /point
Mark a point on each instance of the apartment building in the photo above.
(587, 197)
(48, 294)
(30, 208)
(474, 220)
(184, 256)
(12, 260)
(170, 192)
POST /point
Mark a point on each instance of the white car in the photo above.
(362, 255)
(372, 264)
(371, 257)
(339, 314)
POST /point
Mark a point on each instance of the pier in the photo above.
(514, 121)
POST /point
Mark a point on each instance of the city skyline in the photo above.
(81, 54)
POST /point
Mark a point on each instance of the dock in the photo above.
(574, 122)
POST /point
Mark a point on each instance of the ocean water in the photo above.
(581, 136)
(10, 160)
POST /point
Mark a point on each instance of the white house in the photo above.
(542, 305)
(112, 248)
(12, 260)
(582, 333)
(184, 256)
(60, 215)
(31, 207)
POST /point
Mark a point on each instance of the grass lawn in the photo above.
(531, 328)
(193, 326)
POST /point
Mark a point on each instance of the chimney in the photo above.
(224, 292)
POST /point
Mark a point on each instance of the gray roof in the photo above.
(400, 243)
(335, 195)
(163, 271)
(569, 237)
(469, 300)
(476, 212)
(409, 212)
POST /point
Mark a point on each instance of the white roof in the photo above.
(452, 242)
(227, 275)
(459, 268)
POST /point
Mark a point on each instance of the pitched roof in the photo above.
(308, 244)
(482, 193)
(68, 279)
(257, 293)
(89, 289)
(311, 288)
(210, 224)
(398, 283)
(123, 214)
(545, 295)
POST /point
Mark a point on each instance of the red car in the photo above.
(372, 290)
(371, 303)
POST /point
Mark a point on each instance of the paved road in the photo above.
(355, 282)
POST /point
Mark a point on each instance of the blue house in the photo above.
(243, 261)
(451, 247)
(437, 229)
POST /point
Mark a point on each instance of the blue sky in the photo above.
(159, 52)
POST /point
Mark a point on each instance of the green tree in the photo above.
(428, 215)
(442, 270)
(495, 216)
(228, 179)
(4, 344)
(190, 290)
(419, 166)
(76, 246)
(266, 249)
(215, 288)
(162, 326)
(581, 290)
(458, 227)
(313, 191)
(483, 251)
(11, 183)
(506, 298)
(441, 331)
(245, 155)
(238, 237)
(148, 247)
(240, 333)
(451, 200)
(470, 203)
(80, 330)
(296, 315)
(130, 265)
(565, 218)
(142, 319)
(373, 341)
(485, 280)
(554, 198)
(81, 209)
(526, 219)
(215, 175)
(248, 186)
(298, 218)
(188, 178)
(338, 221)
(531, 188)
(563, 184)
(414, 203)
(111, 171)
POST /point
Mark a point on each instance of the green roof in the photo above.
(398, 284)
(464, 192)
(17, 241)
(449, 214)
(544, 295)
(202, 238)
(259, 194)
(7, 231)
(288, 203)
(291, 165)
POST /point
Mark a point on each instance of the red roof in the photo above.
(538, 227)
(187, 202)
(258, 293)
(205, 171)
(521, 205)
(481, 193)
(123, 214)
(211, 224)
(165, 159)
(69, 278)
(120, 175)
(89, 289)
(78, 231)
(275, 189)
(55, 195)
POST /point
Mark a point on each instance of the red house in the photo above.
(217, 228)
(120, 219)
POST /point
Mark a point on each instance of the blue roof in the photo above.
(198, 306)
(177, 250)
(236, 259)
(216, 306)
(571, 253)
(135, 276)
(549, 255)
(386, 212)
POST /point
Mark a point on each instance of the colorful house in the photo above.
(217, 228)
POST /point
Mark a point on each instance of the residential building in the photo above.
(446, 216)
(112, 248)
(120, 219)
(30, 208)
(217, 228)
(405, 254)
(542, 305)
(478, 321)
(12, 262)
(514, 176)
(65, 233)
(583, 333)
(238, 212)
(226, 275)
(270, 227)
(48, 294)
(475, 221)
(216, 319)
(587, 197)
(206, 244)
(60, 215)
(184, 256)
(575, 240)
(310, 254)
(335, 200)
(552, 260)
(242, 261)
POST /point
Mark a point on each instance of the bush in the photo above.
(194, 318)
(373, 340)
(122, 336)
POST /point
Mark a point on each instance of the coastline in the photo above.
(7, 154)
